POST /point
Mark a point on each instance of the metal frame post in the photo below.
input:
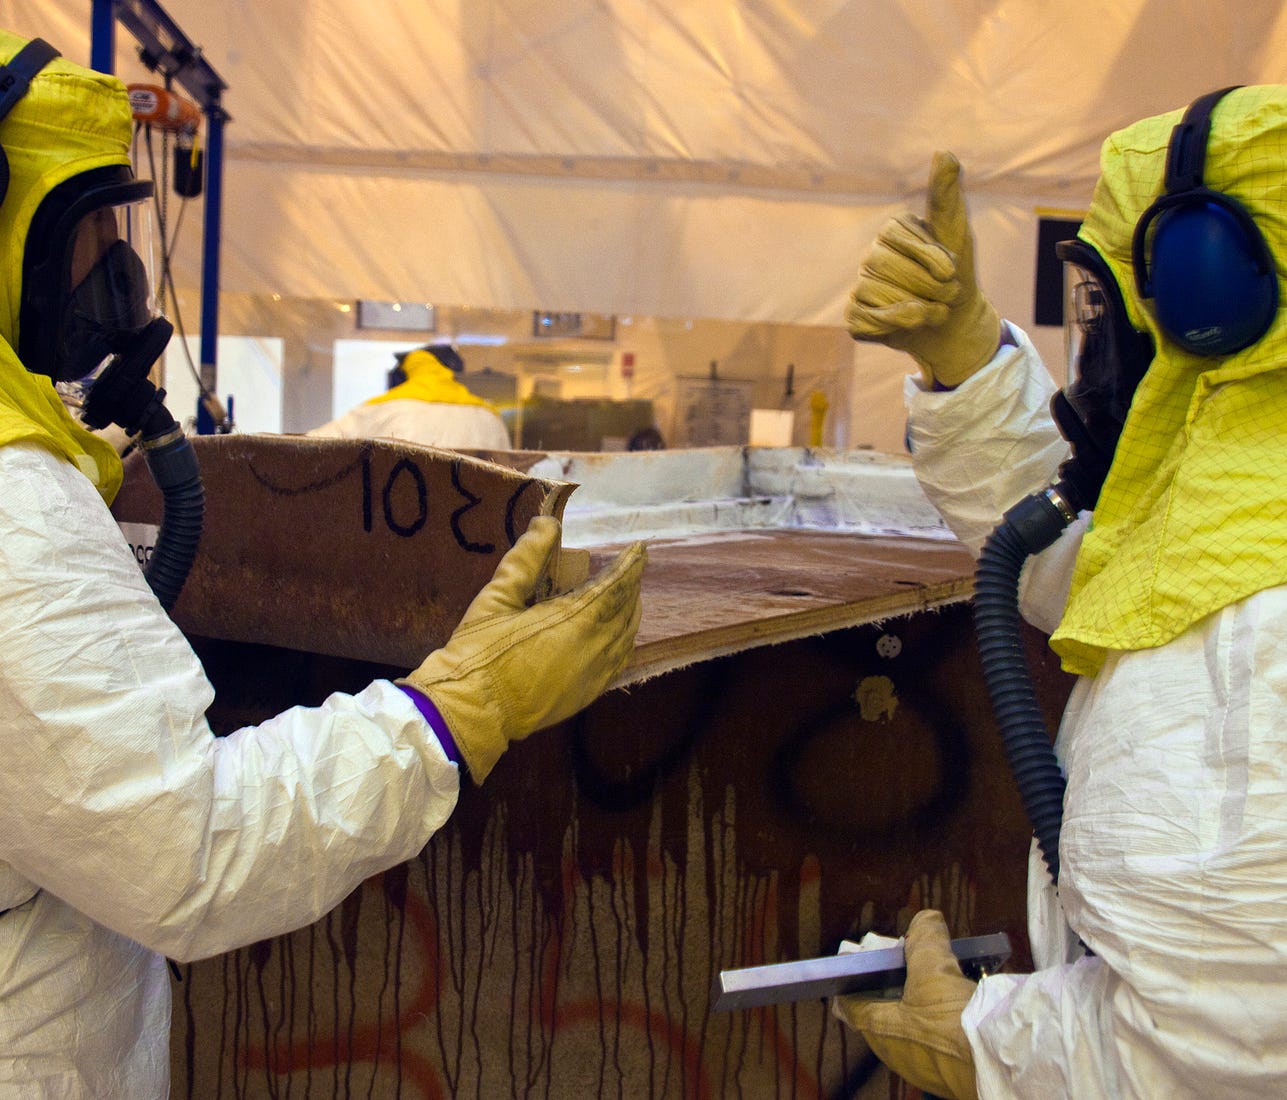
(164, 48)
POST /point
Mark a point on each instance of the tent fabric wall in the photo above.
(661, 157)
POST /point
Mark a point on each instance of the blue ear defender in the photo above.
(1199, 255)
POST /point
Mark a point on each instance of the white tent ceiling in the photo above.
(682, 158)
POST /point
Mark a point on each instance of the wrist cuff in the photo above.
(1007, 339)
(437, 724)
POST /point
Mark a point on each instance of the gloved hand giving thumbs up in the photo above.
(509, 669)
(917, 290)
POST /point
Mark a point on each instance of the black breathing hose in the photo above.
(123, 395)
(173, 465)
(1032, 525)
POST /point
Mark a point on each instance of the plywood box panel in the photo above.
(560, 935)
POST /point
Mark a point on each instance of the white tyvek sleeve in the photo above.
(114, 794)
(1174, 855)
(1174, 843)
(982, 447)
(979, 449)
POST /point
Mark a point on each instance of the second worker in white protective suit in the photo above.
(128, 832)
(428, 405)
(1169, 601)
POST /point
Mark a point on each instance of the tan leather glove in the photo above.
(917, 290)
(920, 1036)
(509, 669)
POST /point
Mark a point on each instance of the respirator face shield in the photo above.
(1106, 358)
(88, 276)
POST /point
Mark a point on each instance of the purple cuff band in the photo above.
(437, 723)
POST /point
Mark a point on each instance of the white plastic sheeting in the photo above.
(698, 492)
(682, 158)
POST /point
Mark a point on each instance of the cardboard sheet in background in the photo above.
(361, 549)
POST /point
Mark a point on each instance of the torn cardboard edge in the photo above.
(656, 658)
(364, 549)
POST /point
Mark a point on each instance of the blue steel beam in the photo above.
(164, 48)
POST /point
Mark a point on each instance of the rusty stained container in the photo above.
(560, 936)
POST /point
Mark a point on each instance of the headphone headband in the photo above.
(1186, 156)
(16, 76)
(15, 79)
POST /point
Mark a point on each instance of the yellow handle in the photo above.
(818, 406)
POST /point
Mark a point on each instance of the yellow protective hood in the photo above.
(31, 411)
(70, 121)
(429, 380)
(1193, 514)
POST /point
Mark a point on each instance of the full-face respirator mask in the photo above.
(89, 322)
(88, 318)
(1206, 273)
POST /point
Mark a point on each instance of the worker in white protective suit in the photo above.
(426, 404)
(127, 831)
(1171, 606)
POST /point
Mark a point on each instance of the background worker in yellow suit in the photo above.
(427, 405)
(1162, 958)
(128, 832)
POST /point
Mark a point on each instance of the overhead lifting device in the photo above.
(165, 49)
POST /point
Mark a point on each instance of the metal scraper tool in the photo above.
(879, 972)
